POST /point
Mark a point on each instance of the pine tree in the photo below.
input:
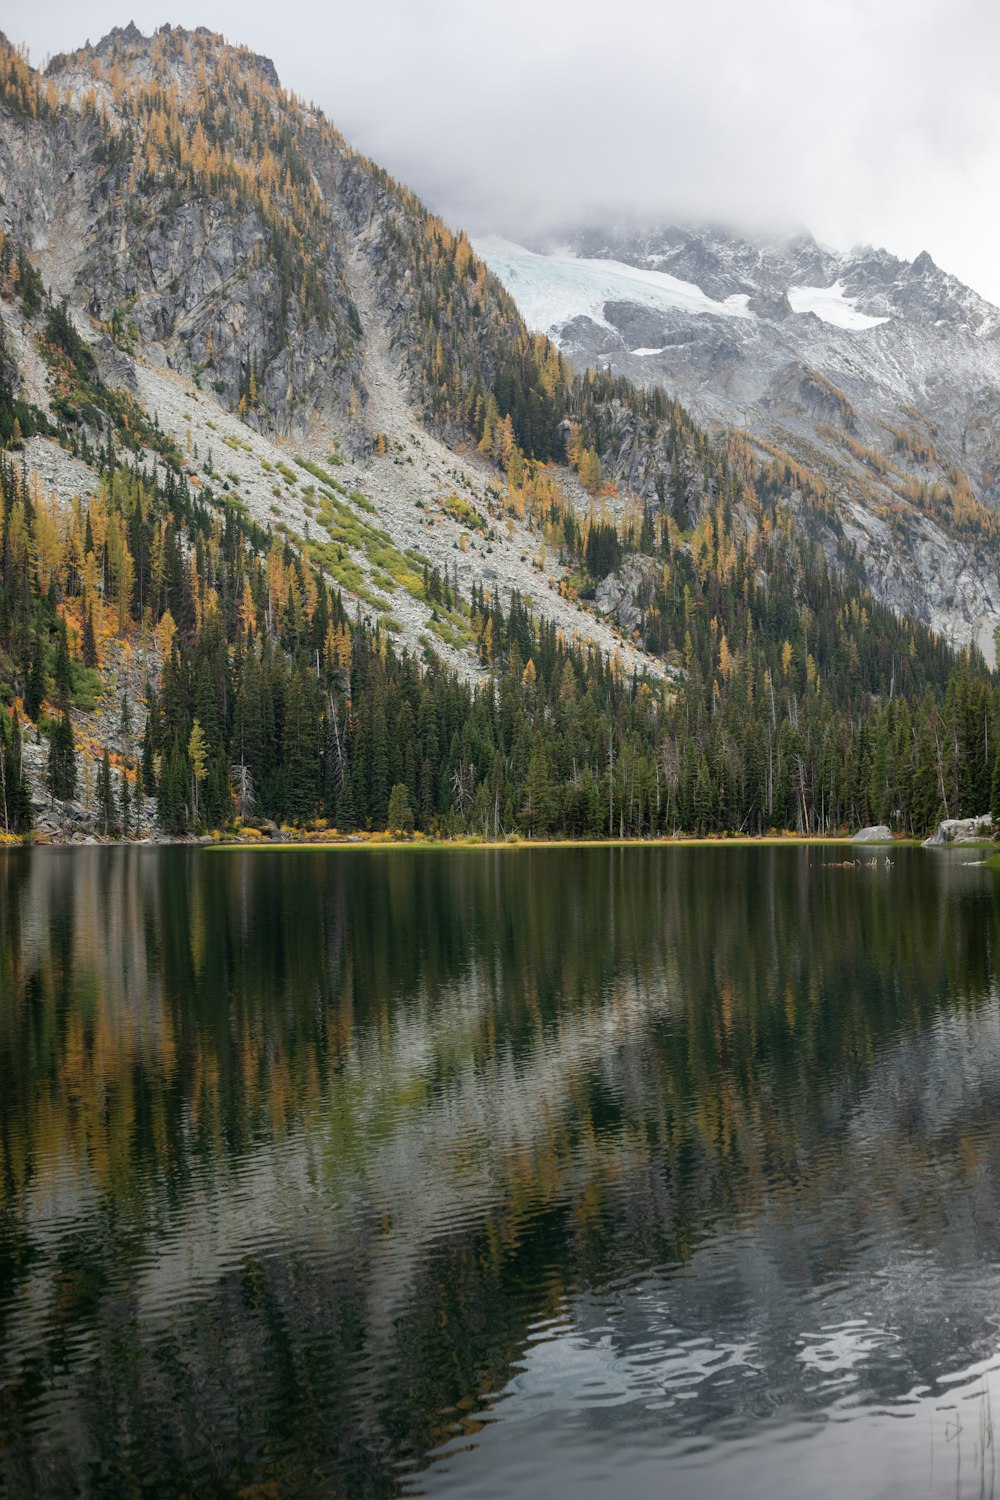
(400, 814)
(105, 796)
(300, 747)
(538, 800)
(347, 818)
(63, 670)
(34, 689)
(88, 642)
(15, 797)
(172, 792)
(62, 760)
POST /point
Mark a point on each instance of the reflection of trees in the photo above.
(332, 1130)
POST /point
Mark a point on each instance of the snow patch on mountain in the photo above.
(832, 305)
(551, 289)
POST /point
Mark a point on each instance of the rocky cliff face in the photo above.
(180, 218)
(874, 379)
(207, 220)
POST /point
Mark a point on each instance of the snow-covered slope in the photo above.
(552, 288)
(831, 305)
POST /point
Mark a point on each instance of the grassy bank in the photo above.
(717, 841)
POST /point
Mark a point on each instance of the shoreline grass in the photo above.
(736, 841)
(321, 841)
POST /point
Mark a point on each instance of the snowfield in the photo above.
(551, 289)
(831, 305)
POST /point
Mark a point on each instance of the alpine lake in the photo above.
(611, 1172)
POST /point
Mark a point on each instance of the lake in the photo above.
(636, 1172)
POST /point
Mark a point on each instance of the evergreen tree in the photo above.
(400, 814)
(62, 760)
(63, 670)
(34, 690)
(105, 796)
(15, 798)
(300, 747)
(88, 642)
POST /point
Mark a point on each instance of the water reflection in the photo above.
(333, 1172)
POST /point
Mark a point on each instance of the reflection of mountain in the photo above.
(335, 1131)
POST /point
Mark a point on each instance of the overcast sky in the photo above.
(863, 120)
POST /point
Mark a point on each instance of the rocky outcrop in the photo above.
(961, 831)
(621, 594)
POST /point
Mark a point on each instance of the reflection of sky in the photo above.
(932, 1445)
(608, 1418)
(570, 1370)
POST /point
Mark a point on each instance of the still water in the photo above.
(623, 1172)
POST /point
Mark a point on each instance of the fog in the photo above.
(876, 124)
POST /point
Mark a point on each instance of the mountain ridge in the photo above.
(879, 377)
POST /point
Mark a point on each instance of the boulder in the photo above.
(877, 833)
(617, 593)
(961, 831)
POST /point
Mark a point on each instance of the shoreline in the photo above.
(693, 841)
(381, 842)
(719, 841)
(235, 843)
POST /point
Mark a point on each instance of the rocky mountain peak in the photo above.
(125, 34)
(923, 265)
(172, 50)
(219, 231)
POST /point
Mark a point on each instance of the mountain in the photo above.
(877, 378)
(300, 523)
(252, 281)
